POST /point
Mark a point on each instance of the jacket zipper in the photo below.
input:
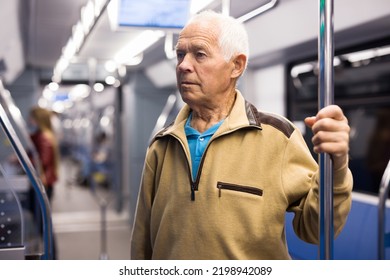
(226, 186)
(194, 184)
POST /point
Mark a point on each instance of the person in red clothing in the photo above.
(45, 142)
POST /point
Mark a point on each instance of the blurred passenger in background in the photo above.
(46, 144)
(218, 182)
(102, 160)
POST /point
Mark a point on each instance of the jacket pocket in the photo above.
(232, 187)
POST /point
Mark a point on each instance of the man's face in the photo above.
(203, 75)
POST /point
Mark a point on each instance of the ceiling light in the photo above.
(78, 35)
(117, 84)
(110, 80)
(98, 87)
(110, 66)
(61, 65)
(112, 12)
(135, 60)
(47, 94)
(88, 16)
(136, 46)
(99, 5)
(56, 78)
(122, 68)
(79, 91)
(104, 121)
(69, 50)
(53, 86)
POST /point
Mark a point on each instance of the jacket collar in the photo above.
(243, 114)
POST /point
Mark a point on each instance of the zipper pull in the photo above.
(219, 190)
(192, 192)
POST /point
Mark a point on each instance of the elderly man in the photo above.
(218, 181)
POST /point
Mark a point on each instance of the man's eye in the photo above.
(180, 55)
(200, 55)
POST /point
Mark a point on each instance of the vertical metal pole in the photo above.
(103, 235)
(226, 7)
(325, 98)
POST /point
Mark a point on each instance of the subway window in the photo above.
(362, 90)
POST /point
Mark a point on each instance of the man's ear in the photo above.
(239, 65)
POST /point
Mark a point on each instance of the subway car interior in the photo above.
(106, 71)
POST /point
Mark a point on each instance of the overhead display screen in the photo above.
(171, 14)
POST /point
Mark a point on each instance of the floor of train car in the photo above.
(76, 216)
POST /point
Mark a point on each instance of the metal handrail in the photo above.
(14, 112)
(35, 181)
(258, 11)
(383, 195)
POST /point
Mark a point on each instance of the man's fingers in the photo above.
(331, 111)
(330, 142)
(309, 121)
(329, 124)
(331, 133)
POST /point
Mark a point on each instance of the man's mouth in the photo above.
(187, 83)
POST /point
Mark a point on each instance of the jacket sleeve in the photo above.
(47, 157)
(301, 184)
(46, 152)
(141, 247)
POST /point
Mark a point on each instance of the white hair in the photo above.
(233, 37)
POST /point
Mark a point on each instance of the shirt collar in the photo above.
(190, 131)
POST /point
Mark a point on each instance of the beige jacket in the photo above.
(255, 168)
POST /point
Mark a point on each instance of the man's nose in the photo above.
(185, 64)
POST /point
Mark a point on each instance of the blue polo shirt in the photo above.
(197, 142)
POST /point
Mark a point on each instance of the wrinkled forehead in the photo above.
(205, 31)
